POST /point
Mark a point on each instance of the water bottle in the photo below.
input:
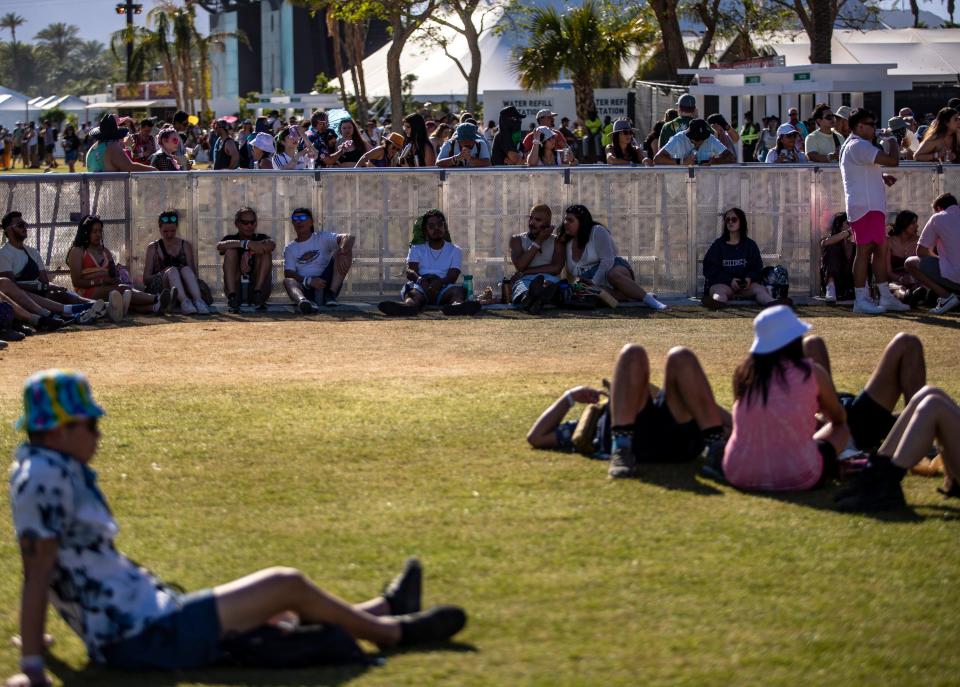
(468, 285)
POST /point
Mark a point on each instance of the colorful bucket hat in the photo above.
(52, 398)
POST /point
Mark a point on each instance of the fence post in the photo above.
(84, 195)
(816, 181)
(691, 232)
(128, 217)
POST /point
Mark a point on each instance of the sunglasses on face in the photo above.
(731, 220)
(169, 219)
(299, 218)
(19, 225)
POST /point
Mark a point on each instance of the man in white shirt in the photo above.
(433, 268)
(695, 145)
(315, 263)
(864, 188)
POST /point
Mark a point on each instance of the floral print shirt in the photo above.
(102, 595)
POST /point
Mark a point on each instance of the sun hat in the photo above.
(545, 132)
(545, 113)
(264, 142)
(897, 123)
(53, 398)
(786, 130)
(466, 132)
(686, 102)
(396, 138)
(109, 131)
(843, 112)
(775, 327)
(622, 125)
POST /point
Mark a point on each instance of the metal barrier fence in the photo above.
(662, 219)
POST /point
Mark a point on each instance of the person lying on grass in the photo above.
(677, 424)
(433, 268)
(128, 618)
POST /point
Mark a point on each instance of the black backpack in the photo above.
(246, 159)
(302, 647)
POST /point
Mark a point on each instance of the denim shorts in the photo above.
(187, 638)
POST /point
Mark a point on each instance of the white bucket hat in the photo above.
(786, 130)
(264, 142)
(775, 327)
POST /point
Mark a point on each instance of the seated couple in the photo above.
(126, 616)
(583, 248)
(777, 442)
(733, 268)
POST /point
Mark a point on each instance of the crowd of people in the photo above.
(432, 137)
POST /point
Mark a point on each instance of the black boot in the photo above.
(404, 592)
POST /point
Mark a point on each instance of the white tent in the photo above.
(14, 107)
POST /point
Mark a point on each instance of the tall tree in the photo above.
(10, 22)
(817, 18)
(60, 39)
(589, 43)
(674, 51)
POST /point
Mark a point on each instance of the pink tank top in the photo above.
(772, 446)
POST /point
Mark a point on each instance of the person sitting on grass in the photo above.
(128, 618)
(23, 265)
(930, 416)
(315, 263)
(732, 266)
(95, 274)
(677, 424)
(538, 258)
(902, 239)
(776, 444)
(837, 252)
(247, 260)
(937, 262)
(433, 268)
(170, 264)
(591, 259)
(36, 312)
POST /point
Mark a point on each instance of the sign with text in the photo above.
(610, 101)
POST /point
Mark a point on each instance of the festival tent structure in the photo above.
(14, 107)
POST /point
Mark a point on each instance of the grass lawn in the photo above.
(342, 445)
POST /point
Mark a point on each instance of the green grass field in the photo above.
(342, 445)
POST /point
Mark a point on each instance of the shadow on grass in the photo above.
(674, 477)
(92, 674)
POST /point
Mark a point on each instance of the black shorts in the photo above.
(831, 466)
(869, 422)
(327, 294)
(659, 438)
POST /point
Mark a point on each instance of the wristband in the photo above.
(568, 397)
(244, 244)
(535, 245)
(31, 664)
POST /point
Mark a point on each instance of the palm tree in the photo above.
(204, 44)
(10, 21)
(589, 43)
(60, 39)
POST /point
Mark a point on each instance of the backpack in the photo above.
(246, 159)
(305, 646)
(777, 279)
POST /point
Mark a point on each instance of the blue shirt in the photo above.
(680, 146)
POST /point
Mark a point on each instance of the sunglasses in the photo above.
(90, 424)
(299, 218)
(731, 220)
(169, 219)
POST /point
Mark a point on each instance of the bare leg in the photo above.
(720, 292)
(338, 277)
(620, 279)
(913, 267)
(454, 295)
(860, 264)
(140, 301)
(896, 434)
(815, 349)
(630, 388)
(189, 279)
(901, 370)
(251, 601)
(879, 263)
(25, 301)
(294, 289)
(19, 312)
(688, 393)
(934, 416)
(231, 272)
(759, 292)
(261, 279)
(837, 435)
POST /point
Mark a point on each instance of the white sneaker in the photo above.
(95, 312)
(831, 293)
(945, 304)
(115, 311)
(187, 307)
(651, 302)
(867, 307)
(892, 304)
(201, 307)
(127, 299)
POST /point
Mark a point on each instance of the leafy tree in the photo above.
(60, 39)
(10, 22)
(589, 43)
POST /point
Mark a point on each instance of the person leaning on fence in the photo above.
(786, 150)
(225, 153)
(768, 138)
(247, 261)
(733, 267)
(433, 269)
(315, 263)
(823, 144)
(350, 139)
(165, 158)
(417, 149)
(724, 133)
(128, 618)
(96, 275)
(262, 150)
(623, 149)
(937, 263)
(549, 149)
(466, 148)
(508, 137)
(941, 142)
(385, 154)
(591, 259)
(546, 118)
(170, 264)
(538, 259)
(695, 145)
(107, 154)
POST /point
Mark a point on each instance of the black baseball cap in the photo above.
(717, 119)
(511, 111)
(698, 130)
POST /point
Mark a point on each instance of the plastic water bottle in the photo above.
(468, 285)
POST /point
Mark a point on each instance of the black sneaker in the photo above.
(305, 307)
(455, 309)
(24, 329)
(623, 464)
(437, 624)
(712, 467)
(876, 488)
(11, 335)
(404, 592)
(396, 309)
(233, 303)
(260, 301)
(50, 323)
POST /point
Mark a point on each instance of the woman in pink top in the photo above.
(776, 445)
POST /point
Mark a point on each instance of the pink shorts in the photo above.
(871, 228)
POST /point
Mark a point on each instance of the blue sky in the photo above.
(97, 19)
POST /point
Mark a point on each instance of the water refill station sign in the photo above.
(610, 101)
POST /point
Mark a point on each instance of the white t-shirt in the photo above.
(450, 148)
(310, 258)
(863, 187)
(435, 262)
(680, 145)
(14, 260)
